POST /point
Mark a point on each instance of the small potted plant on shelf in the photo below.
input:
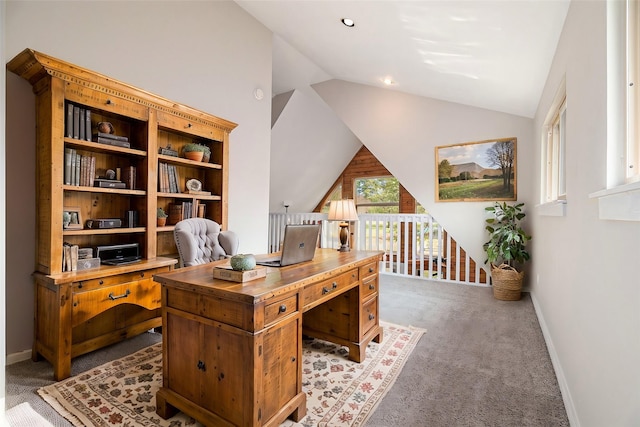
(506, 249)
(162, 217)
(207, 154)
(193, 151)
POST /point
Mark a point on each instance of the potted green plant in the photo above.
(506, 249)
(162, 217)
(207, 154)
(193, 151)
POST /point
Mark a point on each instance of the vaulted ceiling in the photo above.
(488, 54)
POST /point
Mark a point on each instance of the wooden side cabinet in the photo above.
(222, 374)
(106, 150)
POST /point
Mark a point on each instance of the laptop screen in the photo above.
(299, 244)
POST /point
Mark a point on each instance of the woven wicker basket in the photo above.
(507, 282)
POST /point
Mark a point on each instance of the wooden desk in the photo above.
(232, 353)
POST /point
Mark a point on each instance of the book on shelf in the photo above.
(129, 177)
(111, 136)
(69, 121)
(67, 165)
(76, 122)
(69, 257)
(111, 141)
(179, 211)
(87, 126)
(81, 124)
(173, 179)
(108, 183)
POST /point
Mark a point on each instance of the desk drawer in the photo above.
(317, 292)
(368, 269)
(145, 293)
(369, 315)
(279, 309)
(369, 287)
(103, 282)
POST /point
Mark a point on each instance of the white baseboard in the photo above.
(18, 357)
(562, 380)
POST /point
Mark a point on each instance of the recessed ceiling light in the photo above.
(348, 22)
(388, 81)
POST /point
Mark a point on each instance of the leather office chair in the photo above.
(200, 240)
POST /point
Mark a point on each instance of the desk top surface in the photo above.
(326, 263)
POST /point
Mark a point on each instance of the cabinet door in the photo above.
(182, 373)
(282, 369)
(227, 374)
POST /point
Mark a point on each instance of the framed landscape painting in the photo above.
(477, 171)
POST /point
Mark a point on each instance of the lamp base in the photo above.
(344, 237)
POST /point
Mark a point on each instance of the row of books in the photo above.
(185, 210)
(78, 126)
(78, 169)
(78, 122)
(168, 178)
(71, 254)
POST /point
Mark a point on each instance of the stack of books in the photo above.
(78, 122)
(111, 139)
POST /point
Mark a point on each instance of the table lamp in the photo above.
(344, 211)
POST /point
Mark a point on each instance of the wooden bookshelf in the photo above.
(71, 317)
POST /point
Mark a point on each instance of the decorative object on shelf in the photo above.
(343, 211)
(194, 185)
(66, 219)
(207, 154)
(105, 127)
(168, 151)
(243, 262)
(162, 217)
(75, 219)
(193, 151)
(506, 246)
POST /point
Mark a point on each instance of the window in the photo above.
(633, 91)
(554, 187)
(336, 194)
(377, 195)
(623, 80)
(621, 197)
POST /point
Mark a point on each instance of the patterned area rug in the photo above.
(339, 392)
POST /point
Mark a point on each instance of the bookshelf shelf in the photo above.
(87, 189)
(90, 128)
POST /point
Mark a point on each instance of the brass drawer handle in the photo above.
(113, 298)
(334, 285)
(282, 308)
(371, 316)
(202, 366)
(325, 290)
(370, 269)
(372, 286)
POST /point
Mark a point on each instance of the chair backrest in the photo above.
(200, 240)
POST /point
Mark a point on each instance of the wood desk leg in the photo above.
(163, 408)
(357, 351)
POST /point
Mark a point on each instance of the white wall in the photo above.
(586, 285)
(402, 131)
(208, 55)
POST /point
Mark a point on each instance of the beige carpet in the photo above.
(339, 391)
(23, 415)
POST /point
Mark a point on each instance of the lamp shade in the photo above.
(342, 210)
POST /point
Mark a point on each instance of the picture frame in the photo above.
(75, 221)
(477, 171)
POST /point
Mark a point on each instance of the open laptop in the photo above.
(299, 245)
